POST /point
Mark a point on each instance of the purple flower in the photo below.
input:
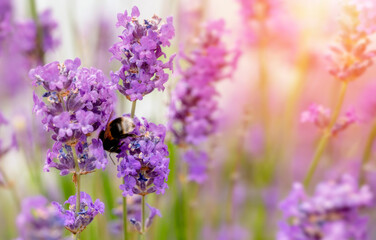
(38, 220)
(193, 108)
(18, 52)
(79, 101)
(139, 52)
(90, 157)
(77, 222)
(193, 105)
(133, 214)
(197, 163)
(331, 213)
(226, 232)
(143, 161)
(321, 117)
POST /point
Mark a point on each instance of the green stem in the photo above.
(326, 136)
(133, 110)
(125, 217)
(78, 185)
(125, 212)
(367, 153)
(11, 189)
(143, 232)
(39, 40)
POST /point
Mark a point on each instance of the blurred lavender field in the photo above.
(177, 119)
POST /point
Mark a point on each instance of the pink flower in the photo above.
(321, 117)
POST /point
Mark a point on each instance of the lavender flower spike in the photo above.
(139, 52)
(143, 160)
(77, 102)
(331, 213)
(37, 220)
(77, 222)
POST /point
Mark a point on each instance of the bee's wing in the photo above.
(107, 132)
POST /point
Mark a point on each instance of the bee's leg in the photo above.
(111, 158)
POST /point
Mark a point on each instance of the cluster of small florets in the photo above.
(38, 220)
(134, 215)
(321, 117)
(331, 213)
(76, 103)
(77, 222)
(193, 105)
(350, 57)
(139, 52)
(143, 161)
(90, 157)
(79, 101)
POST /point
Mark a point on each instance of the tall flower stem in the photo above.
(39, 43)
(143, 218)
(367, 153)
(125, 211)
(78, 185)
(326, 136)
(125, 217)
(133, 110)
(11, 189)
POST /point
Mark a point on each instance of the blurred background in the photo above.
(260, 147)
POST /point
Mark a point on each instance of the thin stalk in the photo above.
(11, 189)
(326, 136)
(143, 217)
(125, 212)
(78, 185)
(39, 43)
(133, 110)
(367, 154)
(125, 217)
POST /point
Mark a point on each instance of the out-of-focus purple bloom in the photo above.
(77, 222)
(321, 117)
(5, 8)
(38, 220)
(143, 161)
(133, 214)
(18, 51)
(139, 52)
(331, 213)
(48, 25)
(226, 232)
(198, 164)
(13, 144)
(367, 103)
(193, 105)
(77, 101)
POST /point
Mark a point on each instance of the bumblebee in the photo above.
(115, 131)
